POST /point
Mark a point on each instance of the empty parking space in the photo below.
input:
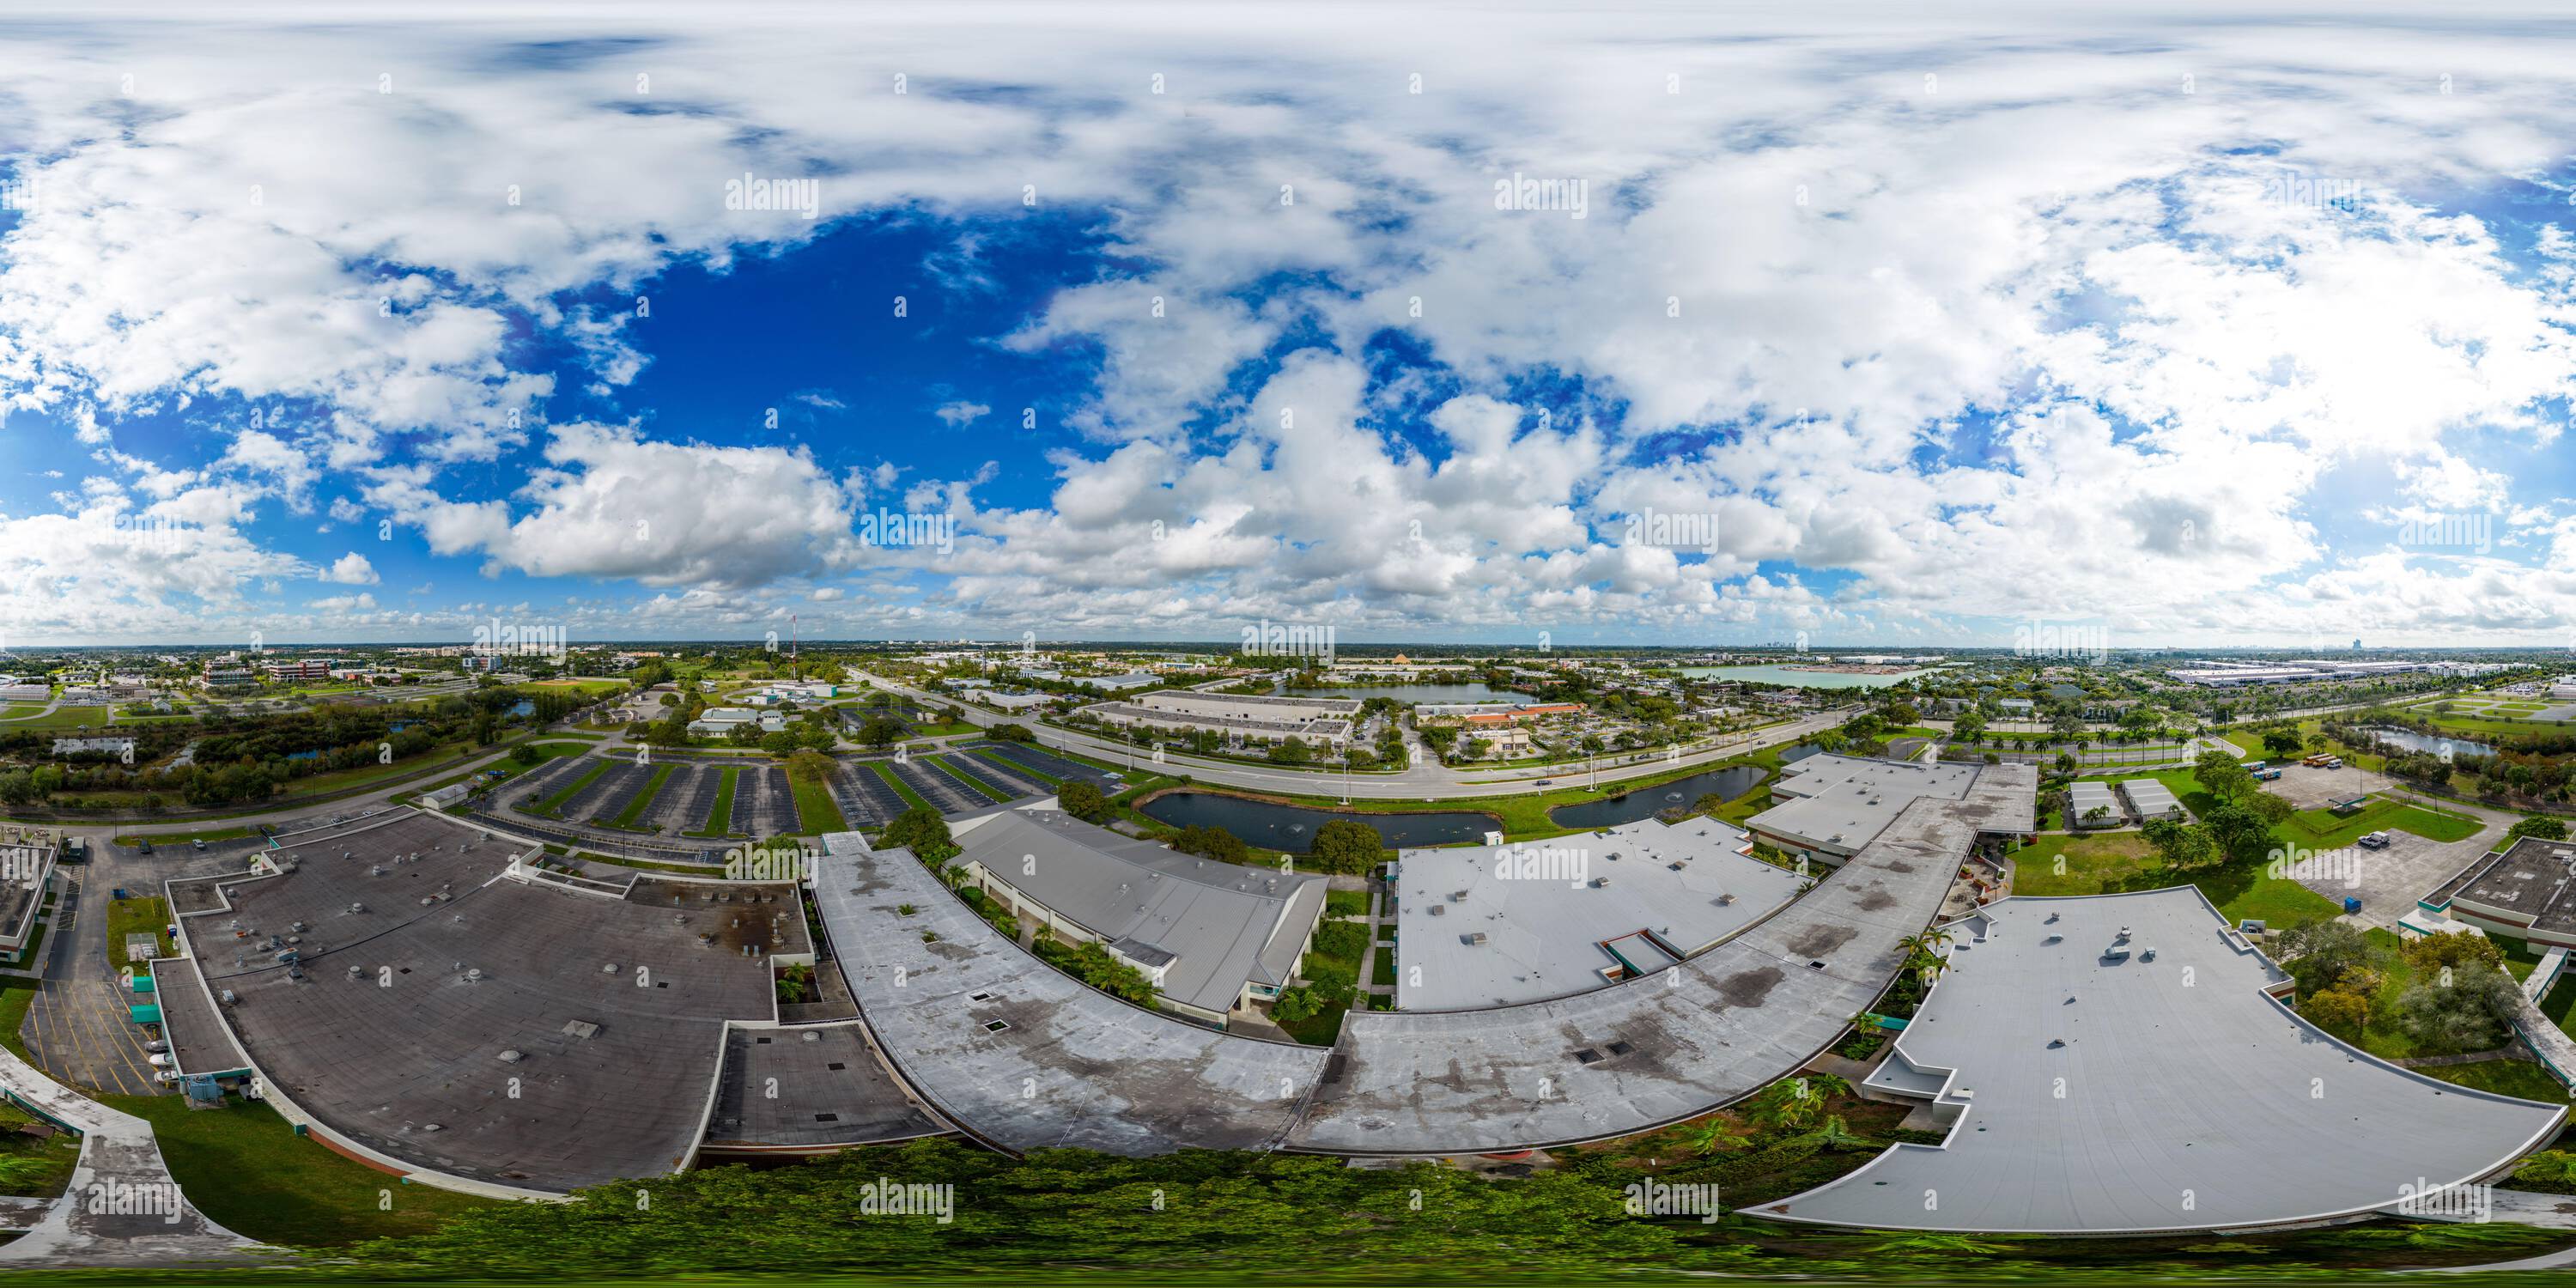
(687, 799)
(866, 798)
(945, 794)
(1012, 785)
(762, 803)
(608, 793)
(1040, 759)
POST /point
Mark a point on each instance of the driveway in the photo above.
(79, 1031)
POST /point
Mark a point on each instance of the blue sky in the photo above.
(1869, 331)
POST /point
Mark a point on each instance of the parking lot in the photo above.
(1016, 784)
(866, 799)
(945, 794)
(762, 803)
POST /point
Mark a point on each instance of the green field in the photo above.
(140, 916)
(209, 836)
(247, 1170)
(816, 812)
(2120, 861)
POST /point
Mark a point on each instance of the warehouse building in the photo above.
(1830, 806)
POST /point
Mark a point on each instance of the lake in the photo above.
(1476, 691)
(2439, 746)
(1292, 827)
(1799, 679)
(1646, 802)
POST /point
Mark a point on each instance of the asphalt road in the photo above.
(1427, 779)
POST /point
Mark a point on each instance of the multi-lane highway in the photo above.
(1426, 779)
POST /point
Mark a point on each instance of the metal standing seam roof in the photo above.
(2082, 797)
(2101, 1095)
(1225, 924)
(2152, 798)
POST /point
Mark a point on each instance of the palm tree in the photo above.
(1709, 1135)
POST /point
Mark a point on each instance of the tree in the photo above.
(2180, 845)
(880, 731)
(1794, 1104)
(2241, 834)
(922, 831)
(2321, 953)
(810, 766)
(1092, 964)
(2223, 776)
(1294, 751)
(1083, 799)
(1346, 846)
(2460, 1008)
(2282, 743)
(1011, 733)
(2338, 1011)
(1295, 1004)
(2547, 829)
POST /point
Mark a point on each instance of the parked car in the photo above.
(156, 1046)
(2374, 841)
(159, 1060)
(1543, 782)
(146, 846)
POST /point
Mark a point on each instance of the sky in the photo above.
(1659, 324)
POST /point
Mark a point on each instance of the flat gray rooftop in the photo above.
(1022, 1055)
(1838, 803)
(2533, 880)
(1652, 1051)
(812, 1086)
(1542, 923)
(405, 1057)
(2192, 1099)
(199, 1042)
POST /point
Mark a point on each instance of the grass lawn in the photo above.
(16, 995)
(1346, 903)
(816, 812)
(2324, 830)
(643, 799)
(886, 772)
(209, 836)
(30, 1167)
(554, 804)
(247, 1170)
(2107, 864)
(722, 816)
(2522, 1078)
(65, 718)
(973, 783)
(137, 917)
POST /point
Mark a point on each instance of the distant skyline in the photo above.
(1650, 326)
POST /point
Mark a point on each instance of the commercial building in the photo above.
(310, 668)
(2525, 891)
(1831, 805)
(2085, 1090)
(1495, 925)
(2225, 675)
(717, 722)
(1261, 716)
(1213, 937)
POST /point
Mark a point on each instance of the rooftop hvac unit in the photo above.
(1439, 909)
(1472, 938)
(1599, 882)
